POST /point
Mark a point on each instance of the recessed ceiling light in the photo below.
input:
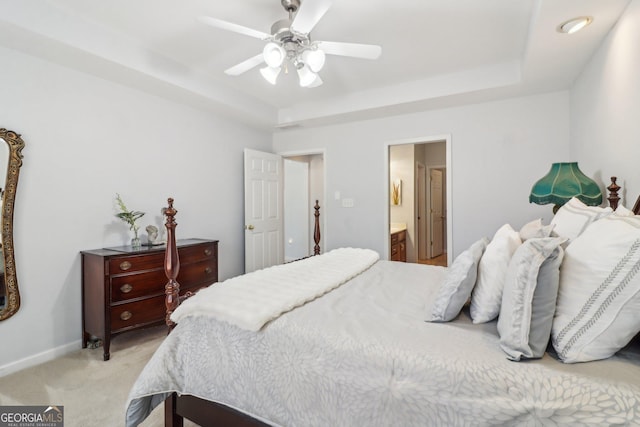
(573, 25)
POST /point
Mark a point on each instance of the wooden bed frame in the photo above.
(207, 413)
(200, 411)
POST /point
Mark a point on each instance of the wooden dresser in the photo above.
(399, 246)
(123, 288)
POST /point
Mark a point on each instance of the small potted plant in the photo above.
(130, 217)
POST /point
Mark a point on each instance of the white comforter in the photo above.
(251, 300)
(362, 355)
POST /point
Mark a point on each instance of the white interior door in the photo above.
(437, 214)
(263, 210)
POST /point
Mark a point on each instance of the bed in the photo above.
(360, 352)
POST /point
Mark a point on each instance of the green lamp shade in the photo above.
(564, 181)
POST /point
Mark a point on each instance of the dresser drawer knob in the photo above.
(207, 252)
(126, 315)
(125, 265)
(207, 270)
(126, 288)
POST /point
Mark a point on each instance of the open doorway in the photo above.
(303, 185)
(267, 242)
(419, 230)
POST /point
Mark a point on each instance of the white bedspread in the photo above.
(251, 300)
(362, 355)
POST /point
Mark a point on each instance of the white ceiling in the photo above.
(435, 53)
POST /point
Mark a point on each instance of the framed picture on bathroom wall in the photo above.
(396, 192)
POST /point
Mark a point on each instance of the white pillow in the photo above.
(598, 305)
(456, 288)
(622, 211)
(535, 229)
(529, 298)
(574, 217)
(487, 295)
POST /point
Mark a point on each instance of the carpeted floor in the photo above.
(93, 392)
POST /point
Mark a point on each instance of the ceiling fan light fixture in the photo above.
(289, 44)
(273, 54)
(574, 25)
(314, 58)
(306, 76)
(270, 74)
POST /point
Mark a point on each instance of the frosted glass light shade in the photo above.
(306, 76)
(270, 74)
(316, 82)
(273, 54)
(314, 59)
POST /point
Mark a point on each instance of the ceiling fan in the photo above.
(290, 43)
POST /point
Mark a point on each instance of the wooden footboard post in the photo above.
(171, 266)
(171, 418)
(316, 230)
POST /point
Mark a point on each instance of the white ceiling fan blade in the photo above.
(356, 50)
(308, 15)
(245, 66)
(229, 26)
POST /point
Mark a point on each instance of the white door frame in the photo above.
(324, 233)
(422, 236)
(386, 189)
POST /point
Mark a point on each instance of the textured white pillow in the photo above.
(574, 217)
(622, 211)
(535, 229)
(529, 298)
(487, 295)
(456, 288)
(598, 305)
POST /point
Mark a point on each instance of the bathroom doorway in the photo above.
(419, 226)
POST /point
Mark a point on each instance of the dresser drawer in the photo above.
(137, 285)
(137, 313)
(188, 254)
(129, 264)
(131, 286)
(205, 272)
(191, 254)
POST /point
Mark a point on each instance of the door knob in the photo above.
(249, 227)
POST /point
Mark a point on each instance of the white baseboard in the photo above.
(39, 358)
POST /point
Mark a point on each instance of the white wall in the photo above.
(605, 109)
(498, 150)
(87, 139)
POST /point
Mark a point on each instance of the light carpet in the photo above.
(93, 392)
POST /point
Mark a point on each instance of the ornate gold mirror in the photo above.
(11, 146)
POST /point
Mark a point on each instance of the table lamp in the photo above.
(561, 183)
